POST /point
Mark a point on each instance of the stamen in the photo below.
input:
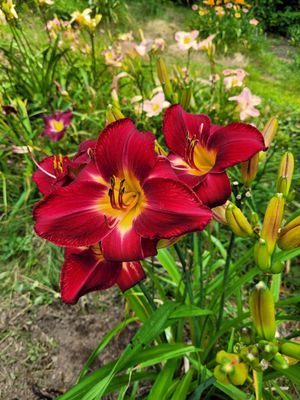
(38, 166)
(111, 194)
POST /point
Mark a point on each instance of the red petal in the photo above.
(162, 168)
(122, 147)
(127, 246)
(83, 273)
(131, 273)
(183, 171)
(46, 183)
(69, 216)
(179, 124)
(172, 209)
(214, 190)
(235, 143)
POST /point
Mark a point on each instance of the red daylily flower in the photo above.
(127, 198)
(85, 270)
(56, 124)
(56, 171)
(201, 151)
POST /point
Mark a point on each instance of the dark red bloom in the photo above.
(56, 124)
(52, 172)
(127, 198)
(201, 151)
(85, 270)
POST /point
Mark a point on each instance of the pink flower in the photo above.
(234, 77)
(253, 22)
(155, 106)
(56, 124)
(112, 58)
(206, 43)
(246, 102)
(144, 47)
(195, 7)
(186, 40)
(159, 44)
(228, 5)
(245, 10)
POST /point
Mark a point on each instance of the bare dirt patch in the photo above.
(43, 348)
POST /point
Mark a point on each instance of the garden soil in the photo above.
(43, 347)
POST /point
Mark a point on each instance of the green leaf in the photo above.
(163, 380)
(154, 325)
(287, 255)
(281, 393)
(258, 384)
(169, 264)
(203, 386)
(104, 342)
(186, 311)
(183, 387)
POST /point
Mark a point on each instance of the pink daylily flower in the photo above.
(246, 103)
(144, 47)
(234, 77)
(206, 43)
(186, 40)
(155, 106)
(56, 124)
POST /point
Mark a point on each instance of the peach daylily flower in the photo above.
(186, 40)
(246, 104)
(112, 58)
(253, 22)
(155, 106)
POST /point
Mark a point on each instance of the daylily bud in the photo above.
(269, 349)
(261, 255)
(279, 361)
(262, 309)
(277, 267)
(270, 130)
(185, 97)
(237, 221)
(249, 169)
(164, 79)
(290, 349)
(219, 213)
(113, 114)
(285, 173)
(272, 221)
(289, 236)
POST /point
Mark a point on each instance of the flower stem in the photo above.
(147, 295)
(225, 280)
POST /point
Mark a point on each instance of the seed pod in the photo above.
(289, 236)
(270, 130)
(285, 173)
(277, 267)
(164, 79)
(272, 221)
(279, 361)
(249, 169)
(262, 309)
(290, 349)
(261, 255)
(237, 221)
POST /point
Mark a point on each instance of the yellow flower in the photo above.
(202, 12)
(237, 15)
(8, 7)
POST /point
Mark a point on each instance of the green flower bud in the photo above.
(261, 255)
(237, 222)
(272, 221)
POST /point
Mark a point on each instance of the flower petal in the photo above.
(122, 147)
(83, 273)
(70, 216)
(171, 209)
(178, 125)
(214, 190)
(235, 143)
(127, 245)
(131, 273)
(46, 183)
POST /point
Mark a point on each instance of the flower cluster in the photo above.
(117, 200)
(187, 41)
(222, 8)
